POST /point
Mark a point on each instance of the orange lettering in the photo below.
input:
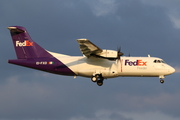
(139, 62)
(28, 43)
(144, 64)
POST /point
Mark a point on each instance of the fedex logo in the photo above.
(25, 43)
(135, 63)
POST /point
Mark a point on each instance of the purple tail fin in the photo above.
(24, 46)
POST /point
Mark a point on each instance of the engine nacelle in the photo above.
(109, 53)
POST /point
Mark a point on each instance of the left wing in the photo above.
(88, 48)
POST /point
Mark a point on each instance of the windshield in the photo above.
(159, 61)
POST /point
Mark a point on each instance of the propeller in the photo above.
(119, 53)
(118, 59)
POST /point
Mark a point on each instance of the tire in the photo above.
(100, 82)
(162, 81)
(94, 79)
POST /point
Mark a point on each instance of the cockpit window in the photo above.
(162, 61)
(159, 61)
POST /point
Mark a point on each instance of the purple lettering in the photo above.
(126, 62)
(131, 63)
(135, 63)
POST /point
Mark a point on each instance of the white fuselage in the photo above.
(126, 66)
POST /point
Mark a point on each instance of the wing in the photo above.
(88, 48)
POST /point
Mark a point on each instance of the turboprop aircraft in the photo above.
(96, 63)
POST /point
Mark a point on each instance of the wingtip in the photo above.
(82, 39)
(11, 27)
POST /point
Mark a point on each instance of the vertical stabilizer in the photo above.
(24, 46)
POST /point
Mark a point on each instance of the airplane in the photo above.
(96, 63)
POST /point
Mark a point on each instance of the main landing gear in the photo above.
(98, 79)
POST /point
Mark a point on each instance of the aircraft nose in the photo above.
(171, 70)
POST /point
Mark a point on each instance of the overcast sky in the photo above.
(140, 27)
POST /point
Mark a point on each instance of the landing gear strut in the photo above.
(161, 78)
(98, 79)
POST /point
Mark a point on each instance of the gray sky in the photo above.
(140, 27)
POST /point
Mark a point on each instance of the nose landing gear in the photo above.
(98, 79)
(161, 78)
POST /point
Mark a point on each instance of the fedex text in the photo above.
(135, 63)
(25, 43)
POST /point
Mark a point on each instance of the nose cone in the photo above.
(171, 70)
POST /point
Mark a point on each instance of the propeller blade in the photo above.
(119, 53)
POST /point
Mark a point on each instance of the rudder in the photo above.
(24, 46)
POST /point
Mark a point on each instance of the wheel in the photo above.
(161, 81)
(94, 79)
(100, 82)
(98, 78)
